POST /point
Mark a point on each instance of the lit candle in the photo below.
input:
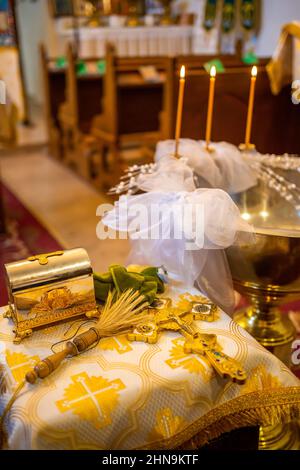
(210, 107)
(250, 108)
(179, 108)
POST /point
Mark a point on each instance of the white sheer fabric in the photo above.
(222, 168)
(172, 174)
(187, 233)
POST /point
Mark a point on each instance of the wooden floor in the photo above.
(63, 202)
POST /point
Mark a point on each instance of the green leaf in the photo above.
(101, 66)
(217, 63)
(81, 68)
(61, 62)
(250, 58)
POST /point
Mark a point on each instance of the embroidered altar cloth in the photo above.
(132, 395)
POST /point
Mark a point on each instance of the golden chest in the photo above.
(49, 288)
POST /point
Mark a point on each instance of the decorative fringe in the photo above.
(256, 417)
(261, 408)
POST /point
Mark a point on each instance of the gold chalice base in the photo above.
(270, 331)
(280, 437)
(275, 331)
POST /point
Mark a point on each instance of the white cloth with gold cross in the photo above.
(125, 395)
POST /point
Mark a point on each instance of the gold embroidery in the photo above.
(171, 391)
(19, 364)
(167, 425)
(91, 398)
(259, 379)
(117, 343)
(193, 363)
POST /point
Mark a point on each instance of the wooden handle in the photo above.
(79, 344)
(86, 339)
(49, 364)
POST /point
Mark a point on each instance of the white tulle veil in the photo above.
(195, 250)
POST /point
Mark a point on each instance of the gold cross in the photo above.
(165, 317)
(171, 318)
(223, 364)
(204, 310)
(43, 259)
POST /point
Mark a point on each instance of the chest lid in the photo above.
(47, 268)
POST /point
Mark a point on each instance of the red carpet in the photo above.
(26, 236)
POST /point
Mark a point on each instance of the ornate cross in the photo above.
(167, 317)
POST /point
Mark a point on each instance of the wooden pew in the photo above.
(83, 103)
(132, 108)
(54, 96)
(276, 119)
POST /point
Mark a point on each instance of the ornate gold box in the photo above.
(49, 288)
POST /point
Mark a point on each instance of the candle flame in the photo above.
(254, 71)
(246, 216)
(182, 72)
(213, 71)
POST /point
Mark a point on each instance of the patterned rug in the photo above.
(26, 236)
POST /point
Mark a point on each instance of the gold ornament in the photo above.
(174, 319)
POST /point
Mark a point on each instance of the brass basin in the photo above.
(267, 272)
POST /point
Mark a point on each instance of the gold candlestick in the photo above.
(210, 107)
(247, 145)
(179, 109)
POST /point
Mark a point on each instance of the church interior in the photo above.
(149, 225)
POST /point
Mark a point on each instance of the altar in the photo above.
(134, 395)
(129, 42)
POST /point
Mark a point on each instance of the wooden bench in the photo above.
(132, 109)
(83, 103)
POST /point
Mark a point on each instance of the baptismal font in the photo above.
(267, 272)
